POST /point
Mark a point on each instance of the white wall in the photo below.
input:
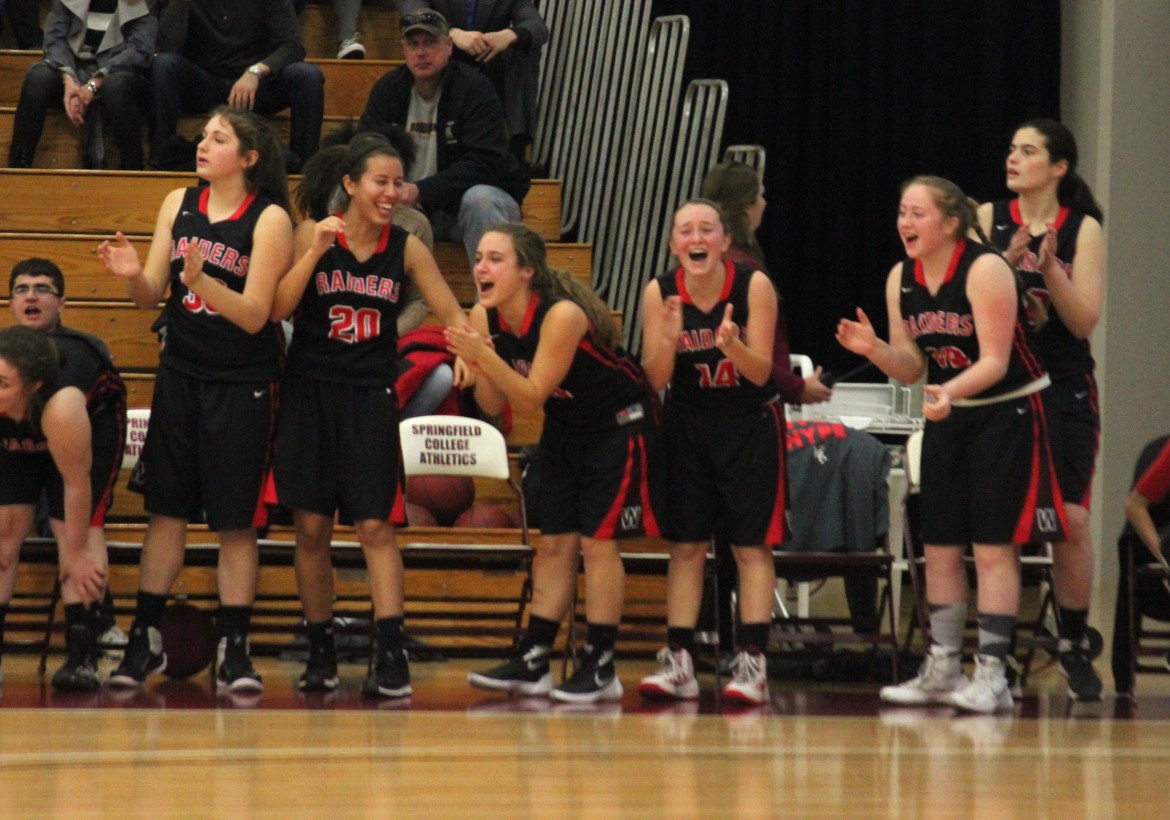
(1116, 99)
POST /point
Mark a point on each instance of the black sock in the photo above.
(319, 634)
(601, 637)
(74, 614)
(753, 638)
(1072, 623)
(390, 633)
(148, 610)
(681, 637)
(540, 632)
(234, 621)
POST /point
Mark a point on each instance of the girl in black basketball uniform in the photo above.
(987, 475)
(539, 339)
(220, 250)
(708, 331)
(337, 443)
(45, 446)
(1051, 233)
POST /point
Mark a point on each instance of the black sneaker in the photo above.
(320, 673)
(236, 673)
(143, 656)
(79, 672)
(391, 677)
(594, 681)
(1077, 667)
(1011, 671)
(525, 674)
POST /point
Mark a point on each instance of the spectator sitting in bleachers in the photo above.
(96, 56)
(247, 53)
(463, 176)
(503, 39)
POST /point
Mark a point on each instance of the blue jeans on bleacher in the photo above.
(178, 86)
(481, 207)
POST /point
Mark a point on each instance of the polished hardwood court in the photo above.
(818, 748)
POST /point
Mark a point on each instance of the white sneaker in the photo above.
(750, 684)
(675, 680)
(351, 48)
(939, 679)
(988, 691)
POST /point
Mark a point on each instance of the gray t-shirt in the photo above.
(420, 124)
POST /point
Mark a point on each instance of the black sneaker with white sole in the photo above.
(523, 674)
(1077, 667)
(235, 671)
(391, 676)
(320, 673)
(144, 656)
(79, 672)
(594, 681)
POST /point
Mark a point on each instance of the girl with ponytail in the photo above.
(537, 339)
(1051, 233)
(217, 254)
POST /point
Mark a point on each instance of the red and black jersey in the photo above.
(346, 323)
(198, 341)
(944, 327)
(704, 378)
(1063, 354)
(600, 385)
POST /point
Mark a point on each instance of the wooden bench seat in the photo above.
(98, 202)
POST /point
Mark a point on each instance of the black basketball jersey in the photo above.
(600, 386)
(88, 367)
(1063, 354)
(944, 326)
(346, 325)
(197, 340)
(24, 435)
(704, 378)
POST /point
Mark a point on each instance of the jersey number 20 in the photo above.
(353, 325)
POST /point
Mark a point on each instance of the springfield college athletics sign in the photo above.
(447, 445)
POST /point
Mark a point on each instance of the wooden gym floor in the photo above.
(817, 749)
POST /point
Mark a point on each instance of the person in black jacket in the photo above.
(463, 176)
(502, 39)
(247, 53)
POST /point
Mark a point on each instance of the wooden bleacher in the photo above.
(64, 214)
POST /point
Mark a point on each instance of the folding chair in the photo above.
(455, 445)
(1142, 612)
(840, 520)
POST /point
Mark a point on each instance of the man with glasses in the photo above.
(463, 176)
(37, 289)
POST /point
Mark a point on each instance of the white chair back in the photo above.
(913, 462)
(452, 445)
(802, 366)
(137, 423)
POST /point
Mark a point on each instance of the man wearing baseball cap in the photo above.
(463, 176)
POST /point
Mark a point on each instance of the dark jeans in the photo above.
(121, 105)
(178, 86)
(26, 22)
